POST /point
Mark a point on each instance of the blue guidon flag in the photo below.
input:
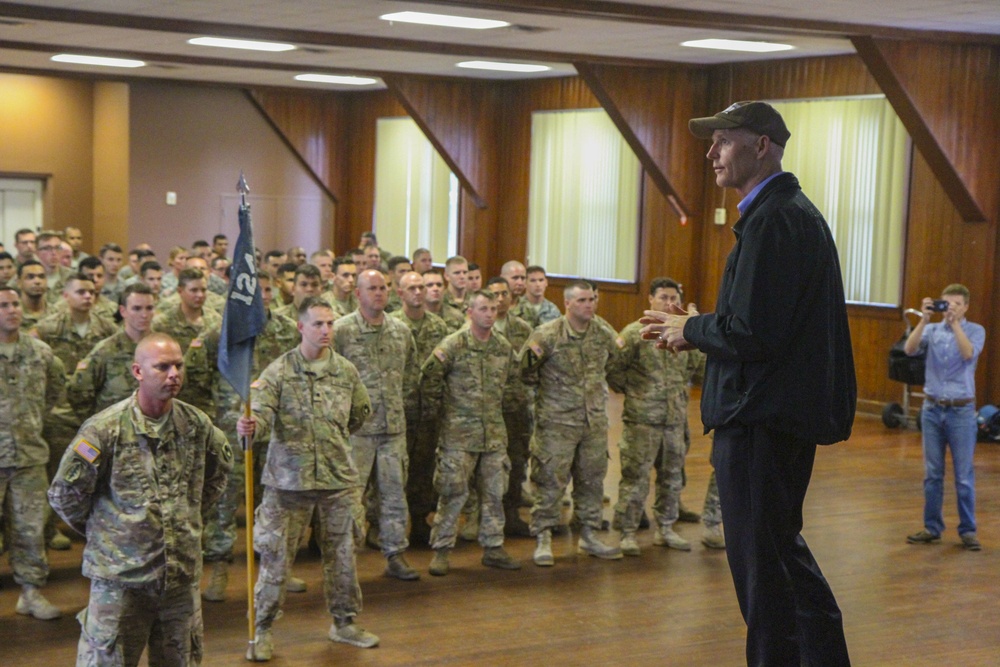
(244, 317)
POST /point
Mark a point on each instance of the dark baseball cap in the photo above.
(759, 117)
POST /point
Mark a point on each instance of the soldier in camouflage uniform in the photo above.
(514, 273)
(399, 266)
(189, 318)
(466, 375)
(456, 273)
(307, 402)
(534, 296)
(567, 360)
(8, 270)
(56, 274)
(434, 300)
(382, 349)
(93, 269)
(341, 295)
(205, 388)
(33, 379)
(33, 287)
(421, 425)
(134, 481)
(306, 283)
(516, 408)
(104, 376)
(654, 383)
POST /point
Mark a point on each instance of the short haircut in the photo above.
(176, 250)
(90, 263)
(957, 289)
(370, 243)
(312, 302)
(134, 288)
(498, 280)
(486, 294)
(288, 267)
(309, 271)
(77, 277)
(370, 235)
(219, 237)
(187, 275)
(30, 262)
(273, 253)
(573, 287)
(142, 253)
(340, 261)
(263, 275)
(200, 243)
(663, 283)
(534, 268)
(149, 266)
(320, 253)
(420, 252)
(6, 255)
(216, 260)
(45, 236)
(436, 271)
(396, 261)
(21, 232)
(109, 247)
(457, 259)
(11, 288)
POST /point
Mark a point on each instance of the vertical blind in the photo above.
(583, 210)
(852, 158)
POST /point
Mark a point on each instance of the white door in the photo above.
(20, 207)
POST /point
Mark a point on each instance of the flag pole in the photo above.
(248, 467)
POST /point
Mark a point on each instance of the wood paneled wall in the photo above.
(940, 247)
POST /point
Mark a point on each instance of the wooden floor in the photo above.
(903, 605)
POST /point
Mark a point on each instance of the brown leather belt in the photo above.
(950, 402)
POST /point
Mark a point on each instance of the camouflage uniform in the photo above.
(421, 425)
(383, 356)
(137, 492)
(54, 295)
(523, 310)
(452, 316)
(516, 412)
(205, 388)
(171, 321)
(31, 382)
(450, 300)
(341, 308)
(571, 422)
(469, 377)
(394, 303)
(307, 410)
(29, 320)
(543, 313)
(104, 377)
(213, 302)
(102, 307)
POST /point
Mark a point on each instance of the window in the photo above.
(583, 211)
(416, 195)
(852, 159)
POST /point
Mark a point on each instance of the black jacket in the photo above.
(778, 344)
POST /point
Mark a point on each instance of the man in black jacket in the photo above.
(779, 379)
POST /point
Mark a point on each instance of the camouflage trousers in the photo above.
(560, 452)
(519, 427)
(421, 443)
(23, 507)
(219, 534)
(711, 513)
(456, 472)
(382, 466)
(120, 622)
(280, 519)
(59, 429)
(641, 445)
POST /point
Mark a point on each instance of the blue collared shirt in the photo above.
(743, 205)
(948, 376)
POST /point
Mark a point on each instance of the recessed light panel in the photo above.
(333, 78)
(248, 44)
(737, 45)
(97, 60)
(444, 20)
(502, 67)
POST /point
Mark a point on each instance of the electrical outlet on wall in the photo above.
(171, 199)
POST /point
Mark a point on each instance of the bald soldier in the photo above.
(516, 276)
(33, 382)
(134, 481)
(382, 349)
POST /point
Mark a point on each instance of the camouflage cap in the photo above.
(759, 117)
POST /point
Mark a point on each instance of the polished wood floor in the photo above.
(903, 605)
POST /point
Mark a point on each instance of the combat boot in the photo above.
(439, 564)
(398, 568)
(713, 538)
(33, 603)
(216, 591)
(590, 545)
(497, 557)
(666, 537)
(295, 585)
(346, 632)
(687, 516)
(629, 545)
(420, 532)
(543, 551)
(514, 525)
(59, 542)
(263, 647)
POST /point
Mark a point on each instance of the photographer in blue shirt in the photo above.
(948, 418)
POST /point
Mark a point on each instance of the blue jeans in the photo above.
(955, 428)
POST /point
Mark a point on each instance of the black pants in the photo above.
(792, 617)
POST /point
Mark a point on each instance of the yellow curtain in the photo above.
(415, 192)
(583, 210)
(852, 158)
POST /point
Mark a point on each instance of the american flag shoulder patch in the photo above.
(86, 450)
(439, 353)
(82, 365)
(197, 342)
(536, 348)
(256, 384)
(620, 342)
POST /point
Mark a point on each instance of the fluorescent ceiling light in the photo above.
(737, 45)
(502, 67)
(333, 78)
(248, 44)
(444, 20)
(97, 60)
